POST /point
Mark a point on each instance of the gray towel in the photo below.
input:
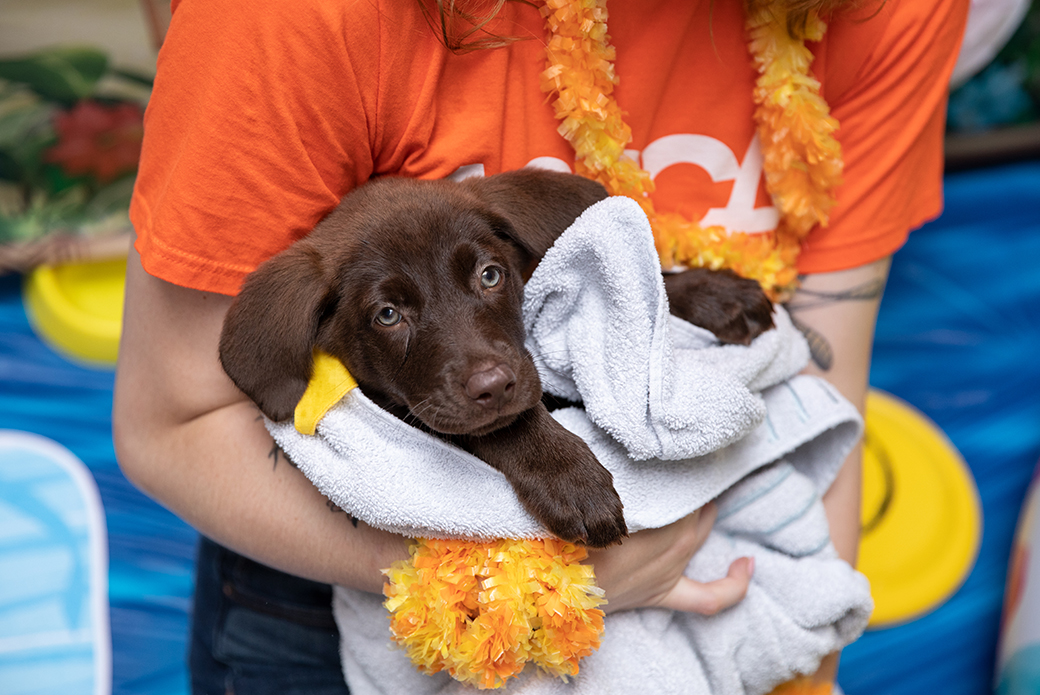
(679, 420)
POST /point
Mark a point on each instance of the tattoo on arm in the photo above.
(819, 347)
(334, 508)
(810, 299)
(275, 452)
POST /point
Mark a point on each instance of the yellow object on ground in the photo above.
(77, 308)
(921, 513)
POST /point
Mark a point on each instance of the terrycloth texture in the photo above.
(679, 420)
(599, 329)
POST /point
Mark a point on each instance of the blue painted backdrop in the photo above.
(958, 337)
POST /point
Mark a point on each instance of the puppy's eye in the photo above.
(388, 316)
(491, 277)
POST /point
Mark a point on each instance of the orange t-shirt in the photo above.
(264, 114)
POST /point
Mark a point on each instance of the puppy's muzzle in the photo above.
(492, 388)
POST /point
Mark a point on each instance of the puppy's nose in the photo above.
(492, 388)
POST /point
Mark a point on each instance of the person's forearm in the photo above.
(837, 312)
(233, 486)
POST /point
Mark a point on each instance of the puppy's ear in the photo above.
(271, 327)
(539, 204)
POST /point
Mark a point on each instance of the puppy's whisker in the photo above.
(421, 408)
(549, 353)
(425, 411)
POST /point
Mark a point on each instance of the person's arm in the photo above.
(190, 439)
(837, 312)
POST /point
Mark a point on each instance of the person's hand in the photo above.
(646, 570)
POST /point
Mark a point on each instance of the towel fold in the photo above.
(599, 329)
(679, 420)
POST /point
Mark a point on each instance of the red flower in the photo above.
(98, 139)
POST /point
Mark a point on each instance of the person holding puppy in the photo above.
(264, 116)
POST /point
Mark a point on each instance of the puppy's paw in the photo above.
(556, 477)
(573, 495)
(735, 309)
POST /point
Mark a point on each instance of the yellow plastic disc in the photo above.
(921, 513)
(77, 308)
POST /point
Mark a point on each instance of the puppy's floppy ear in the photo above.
(539, 204)
(271, 327)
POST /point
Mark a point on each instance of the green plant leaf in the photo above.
(135, 76)
(23, 156)
(65, 74)
(53, 180)
(111, 199)
(10, 169)
(23, 121)
(22, 161)
(22, 228)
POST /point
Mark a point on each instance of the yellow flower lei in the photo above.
(802, 160)
(483, 610)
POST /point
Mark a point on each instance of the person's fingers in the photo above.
(647, 569)
(708, 598)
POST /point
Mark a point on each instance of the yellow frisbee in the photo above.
(921, 513)
(77, 308)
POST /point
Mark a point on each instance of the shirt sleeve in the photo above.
(885, 71)
(257, 125)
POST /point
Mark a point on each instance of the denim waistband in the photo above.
(269, 591)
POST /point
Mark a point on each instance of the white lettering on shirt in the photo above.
(718, 160)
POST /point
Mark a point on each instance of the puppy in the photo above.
(416, 287)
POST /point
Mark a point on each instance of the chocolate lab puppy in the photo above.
(416, 287)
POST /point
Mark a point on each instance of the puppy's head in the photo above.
(416, 287)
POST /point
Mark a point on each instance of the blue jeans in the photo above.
(258, 631)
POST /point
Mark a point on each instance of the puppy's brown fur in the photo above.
(416, 286)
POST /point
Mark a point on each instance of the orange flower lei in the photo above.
(483, 610)
(802, 160)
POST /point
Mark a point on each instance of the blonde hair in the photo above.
(462, 24)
